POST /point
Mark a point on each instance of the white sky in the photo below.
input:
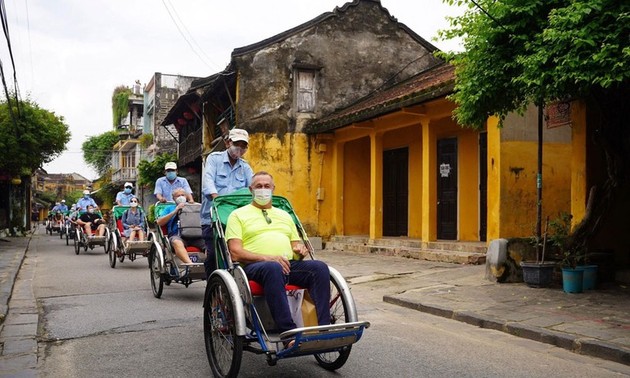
(71, 54)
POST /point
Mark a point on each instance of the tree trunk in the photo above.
(611, 132)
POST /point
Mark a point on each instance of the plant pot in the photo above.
(537, 274)
(589, 279)
(572, 280)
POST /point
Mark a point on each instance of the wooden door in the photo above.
(447, 189)
(395, 192)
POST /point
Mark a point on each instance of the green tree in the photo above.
(97, 151)
(518, 52)
(38, 136)
(120, 104)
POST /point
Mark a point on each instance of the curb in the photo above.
(581, 345)
(7, 290)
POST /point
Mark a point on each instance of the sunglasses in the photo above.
(266, 216)
(128, 187)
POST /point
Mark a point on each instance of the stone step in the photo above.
(473, 247)
(437, 255)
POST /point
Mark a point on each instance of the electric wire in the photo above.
(192, 38)
(5, 28)
(184, 36)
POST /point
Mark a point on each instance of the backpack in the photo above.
(189, 221)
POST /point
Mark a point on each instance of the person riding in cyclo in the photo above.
(265, 240)
(169, 217)
(92, 222)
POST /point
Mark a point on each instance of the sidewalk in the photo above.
(18, 325)
(595, 323)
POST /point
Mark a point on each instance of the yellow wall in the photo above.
(518, 189)
(579, 187)
(356, 187)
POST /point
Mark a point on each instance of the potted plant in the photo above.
(572, 256)
(539, 273)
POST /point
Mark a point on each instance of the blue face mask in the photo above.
(127, 190)
(171, 175)
(86, 196)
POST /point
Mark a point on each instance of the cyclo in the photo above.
(85, 241)
(54, 223)
(236, 316)
(119, 247)
(164, 265)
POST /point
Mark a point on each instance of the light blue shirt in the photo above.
(221, 177)
(83, 203)
(124, 198)
(63, 208)
(165, 188)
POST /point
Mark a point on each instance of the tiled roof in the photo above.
(427, 85)
(324, 16)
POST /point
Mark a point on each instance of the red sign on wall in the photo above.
(558, 114)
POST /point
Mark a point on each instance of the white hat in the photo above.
(238, 134)
(170, 165)
(86, 191)
(128, 184)
(63, 201)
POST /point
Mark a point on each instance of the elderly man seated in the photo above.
(265, 240)
(168, 216)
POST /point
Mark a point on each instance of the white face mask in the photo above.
(262, 196)
(180, 199)
(134, 204)
(91, 211)
(236, 152)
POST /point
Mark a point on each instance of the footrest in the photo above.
(138, 246)
(322, 339)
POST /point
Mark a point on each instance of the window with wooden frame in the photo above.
(306, 90)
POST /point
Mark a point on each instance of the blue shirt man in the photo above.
(63, 207)
(123, 198)
(224, 172)
(83, 203)
(164, 186)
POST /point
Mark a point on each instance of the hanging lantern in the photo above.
(17, 180)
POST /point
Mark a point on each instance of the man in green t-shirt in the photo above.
(265, 240)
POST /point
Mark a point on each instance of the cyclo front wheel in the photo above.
(155, 267)
(338, 314)
(223, 346)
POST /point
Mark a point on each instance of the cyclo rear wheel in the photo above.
(338, 314)
(223, 346)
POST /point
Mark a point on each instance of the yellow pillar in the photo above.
(337, 188)
(376, 185)
(429, 187)
(494, 179)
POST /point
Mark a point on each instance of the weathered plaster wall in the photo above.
(357, 51)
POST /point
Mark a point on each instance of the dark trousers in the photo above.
(208, 237)
(310, 274)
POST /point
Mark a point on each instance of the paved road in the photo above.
(101, 322)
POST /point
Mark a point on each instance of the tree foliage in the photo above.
(519, 52)
(37, 137)
(120, 104)
(149, 171)
(97, 151)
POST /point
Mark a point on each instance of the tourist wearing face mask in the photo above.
(265, 241)
(124, 197)
(84, 202)
(224, 173)
(164, 186)
(92, 221)
(168, 217)
(133, 222)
